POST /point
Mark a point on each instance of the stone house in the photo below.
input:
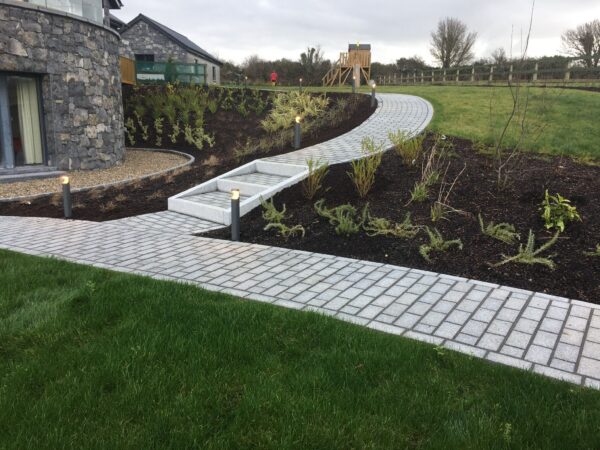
(60, 87)
(145, 39)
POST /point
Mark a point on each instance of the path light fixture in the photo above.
(297, 133)
(235, 215)
(354, 84)
(245, 82)
(66, 188)
(300, 80)
(373, 99)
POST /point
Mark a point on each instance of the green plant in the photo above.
(285, 231)
(437, 244)
(594, 253)
(408, 148)
(557, 211)
(130, 130)
(270, 212)
(143, 127)
(200, 137)
(158, 130)
(504, 232)
(188, 134)
(364, 169)
(377, 226)
(529, 254)
(212, 106)
(419, 193)
(317, 171)
(342, 217)
(176, 131)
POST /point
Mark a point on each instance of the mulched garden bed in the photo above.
(576, 275)
(140, 197)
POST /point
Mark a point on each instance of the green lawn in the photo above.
(559, 121)
(96, 359)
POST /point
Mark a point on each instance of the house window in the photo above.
(20, 122)
(144, 57)
(214, 70)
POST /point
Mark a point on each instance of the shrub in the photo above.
(529, 254)
(376, 226)
(557, 211)
(317, 171)
(158, 131)
(364, 169)
(409, 148)
(504, 232)
(270, 212)
(594, 253)
(437, 244)
(288, 105)
(130, 130)
(342, 217)
(285, 231)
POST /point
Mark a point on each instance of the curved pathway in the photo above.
(552, 336)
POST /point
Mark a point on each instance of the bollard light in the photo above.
(373, 99)
(354, 85)
(245, 82)
(235, 214)
(300, 80)
(66, 188)
(297, 133)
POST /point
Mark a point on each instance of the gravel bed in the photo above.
(137, 164)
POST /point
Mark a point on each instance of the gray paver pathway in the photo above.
(552, 336)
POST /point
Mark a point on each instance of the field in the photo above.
(96, 359)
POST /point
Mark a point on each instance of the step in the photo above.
(256, 181)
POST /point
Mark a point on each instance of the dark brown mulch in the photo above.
(576, 276)
(151, 195)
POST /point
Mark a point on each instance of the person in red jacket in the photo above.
(273, 78)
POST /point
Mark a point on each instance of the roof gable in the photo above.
(179, 38)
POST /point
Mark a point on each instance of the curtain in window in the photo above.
(29, 120)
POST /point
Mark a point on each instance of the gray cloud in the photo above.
(234, 30)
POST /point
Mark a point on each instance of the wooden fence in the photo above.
(493, 75)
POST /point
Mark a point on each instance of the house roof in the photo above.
(115, 4)
(175, 36)
(115, 22)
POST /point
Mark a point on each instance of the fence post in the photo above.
(535, 73)
(394, 78)
(567, 73)
(473, 74)
(491, 74)
(422, 77)
(510, 73)
(457, 75)
(444, 76)
(432, 76)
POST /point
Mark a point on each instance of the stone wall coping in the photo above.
(55, 12)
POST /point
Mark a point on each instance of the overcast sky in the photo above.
(233, 30)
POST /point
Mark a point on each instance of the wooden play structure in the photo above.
(356, 62)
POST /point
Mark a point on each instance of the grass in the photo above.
(568, 116)
(95, 359)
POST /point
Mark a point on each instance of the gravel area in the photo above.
(137, 164)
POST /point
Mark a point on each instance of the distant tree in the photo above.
(231, 73)
(499, 56)
(313, 65)
(256, 69)
(412, 63)
(451, 43)
(584, 42)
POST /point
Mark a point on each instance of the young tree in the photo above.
(451, 43)
(313, 62)
(584, 42)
